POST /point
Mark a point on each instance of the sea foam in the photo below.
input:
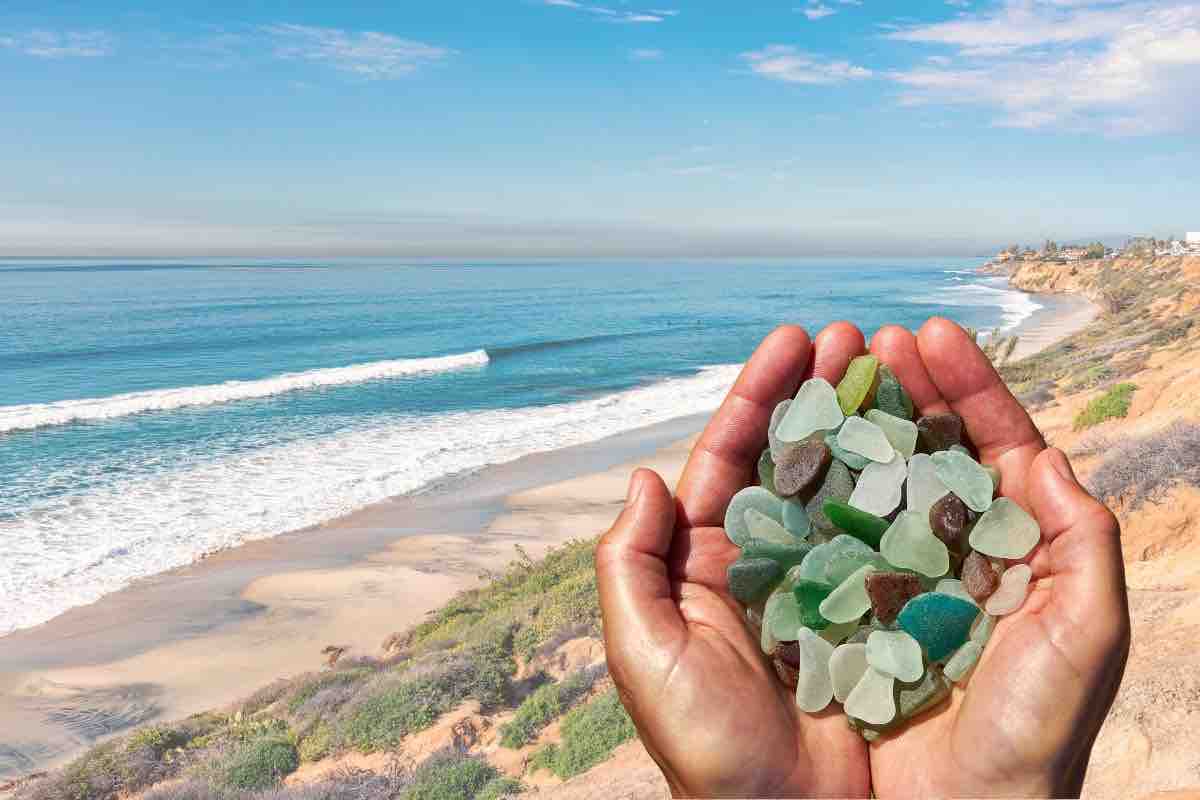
(71, 550)
(64, 412)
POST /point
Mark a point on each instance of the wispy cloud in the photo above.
(645, 54)
(1124, 68)
(615, 15)
(366, 53)
(816, 10)
(785, 63)
(60, 44)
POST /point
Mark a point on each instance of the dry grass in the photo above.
(1145, 468)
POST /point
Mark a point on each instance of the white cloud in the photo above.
(787, 64)
(1125, 68)
(817, 10)
(616, 15)
(366, 53)
(645, 54)
(60, 44)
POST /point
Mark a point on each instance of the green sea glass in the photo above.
(785, 555)
(965, 477)
(816, 563)
(891, 397)
(866, 439)
(909, 543)
(795, 517)
(781, 616)
(954, 587)
(962, 661)
(752, 497)
(1005, 531)
(809, 595)
(752, 579)
(852, 460)
(849, 600)
(897, 654)
(766, 529)
(773, 442)
(981, 631)
(862, 525)
(814, 408)
(857, 383)
(900, 433)
(835, 634)
(766, 471)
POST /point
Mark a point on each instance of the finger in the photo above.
(723, 459)
(833, 350)
(641, 620)
(997, 424)
(897, 347)
(1087, 614)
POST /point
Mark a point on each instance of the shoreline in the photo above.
(1061, 314)
(265, 609)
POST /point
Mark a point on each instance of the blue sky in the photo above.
(563, 127)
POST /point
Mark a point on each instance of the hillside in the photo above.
(504, 689)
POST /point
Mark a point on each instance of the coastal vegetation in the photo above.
(1112, 404)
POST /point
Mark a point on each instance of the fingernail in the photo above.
(635, 489)
(1062, 466)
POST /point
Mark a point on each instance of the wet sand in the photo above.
(1060, 316)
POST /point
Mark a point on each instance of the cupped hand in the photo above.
(1025, 722)
(705, 701)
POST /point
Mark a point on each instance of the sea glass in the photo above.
(923, 488)
(795, 517)
(846, 668)
(858, 384)
(1010, 595)
(766, 471)
(809, 595)
(782, 616)
(752, 579)
(938, 432)
(766, 529)
(866, 439)
(941, 623)
(814, 687)
(849, 600)
(873, 699)
(962, 661)
(900, 433)
(838, 485)
(954, 587)
(785, 555)
(852, 460)
(897, 654)
(801, 464)
(910, 544)
(773, 442)
(965, 477)
(835, 634)
(981, 631)
(752, 497)
(979, 577)
(815, 565)
(889, 591)
(880, 487)
(814, 408)
(862, 525)
(1005, 531)
(891, 397)
(948, 518)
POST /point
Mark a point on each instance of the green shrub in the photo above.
(310, 688)
(545, 704)
(317, 743)
(451, 776)
(500, 786)
(590, 734)
(259, 764)
(1112, 404)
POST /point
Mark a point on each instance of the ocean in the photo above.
(152, 412)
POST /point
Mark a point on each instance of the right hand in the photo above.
(706, 702)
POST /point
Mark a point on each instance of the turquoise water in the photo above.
(152, 412)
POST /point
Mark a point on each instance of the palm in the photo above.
(1049, 670)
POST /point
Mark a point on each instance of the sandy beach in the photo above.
(203, 636)
(1059, 317)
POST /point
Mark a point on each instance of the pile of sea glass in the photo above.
(875, 561)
